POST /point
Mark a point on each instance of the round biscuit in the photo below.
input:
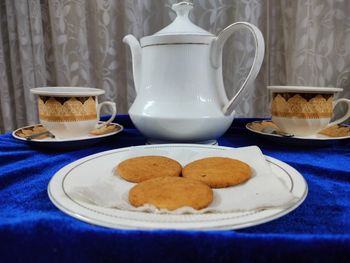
(142, 168)
(218, 172)
(171, 193)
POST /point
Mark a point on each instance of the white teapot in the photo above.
(179, 84)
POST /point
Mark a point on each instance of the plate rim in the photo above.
(116, 225)
(294, 137)
(66, 140)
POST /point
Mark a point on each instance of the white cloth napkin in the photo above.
(263, 190)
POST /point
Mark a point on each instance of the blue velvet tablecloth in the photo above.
(32, 229)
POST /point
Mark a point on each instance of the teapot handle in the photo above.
(216, 58)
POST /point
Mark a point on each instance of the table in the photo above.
(33, 229)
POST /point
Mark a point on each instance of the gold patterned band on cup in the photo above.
(60, 109)
(302, 105)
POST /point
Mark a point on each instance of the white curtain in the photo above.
(79, 43)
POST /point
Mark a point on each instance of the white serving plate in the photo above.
(88, 169)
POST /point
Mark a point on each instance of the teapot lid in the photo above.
(181, 30)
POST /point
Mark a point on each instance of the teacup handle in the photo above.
(345, 117)
(112, 105)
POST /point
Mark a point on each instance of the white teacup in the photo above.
(70, 112)
(304, 111)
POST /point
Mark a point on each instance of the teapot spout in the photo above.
(136, 58)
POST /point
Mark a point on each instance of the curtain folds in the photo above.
(79, 43)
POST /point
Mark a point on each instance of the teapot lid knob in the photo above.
(181, 30)
(182, 8)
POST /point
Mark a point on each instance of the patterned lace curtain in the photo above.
(79, 43)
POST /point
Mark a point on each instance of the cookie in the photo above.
(30, 131)
(142, 168)
(105, 129)
(336, 131)
(218, 172)
(171, 193)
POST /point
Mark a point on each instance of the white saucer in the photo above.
(86, 170)
(66, 144)
(314, 140)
